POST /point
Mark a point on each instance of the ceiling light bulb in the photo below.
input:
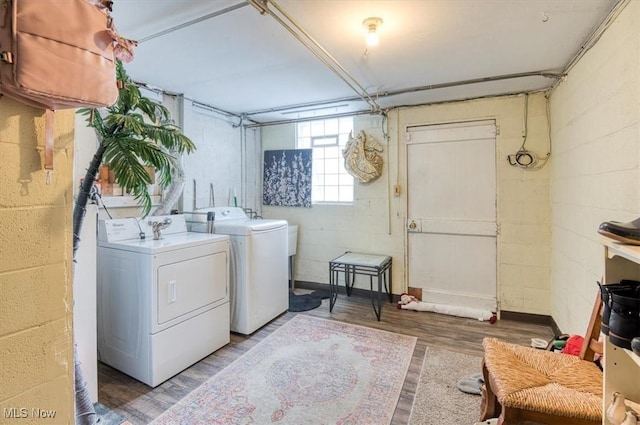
(372, 37)
(372, 24)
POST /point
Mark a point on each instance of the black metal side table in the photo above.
(352, 264)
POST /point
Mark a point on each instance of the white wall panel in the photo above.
(327, 231)
(595, 115)
(217, 161)
(376, 221)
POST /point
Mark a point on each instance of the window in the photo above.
(327, 138)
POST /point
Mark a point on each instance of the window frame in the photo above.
(337, 177)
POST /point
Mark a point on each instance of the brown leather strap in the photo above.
(48, 139)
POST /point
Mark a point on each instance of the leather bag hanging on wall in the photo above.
(57, 54)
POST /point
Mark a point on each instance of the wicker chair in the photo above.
(525, 385)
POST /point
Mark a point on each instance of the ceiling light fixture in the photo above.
(288, 23)
(371, 25)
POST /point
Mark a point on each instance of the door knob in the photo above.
(412, 225)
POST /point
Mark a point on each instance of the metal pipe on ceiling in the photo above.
(293, 108)
(428, 87)
(314, 47)
(595, 36)
(385, 112)
(193, 22)
(297, 106)
(332, 64)
(315, 118)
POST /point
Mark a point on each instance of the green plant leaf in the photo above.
(136, 132)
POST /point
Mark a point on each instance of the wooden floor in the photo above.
(140, 404)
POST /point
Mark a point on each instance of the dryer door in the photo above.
(187, 288)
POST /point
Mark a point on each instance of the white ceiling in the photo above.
(225, 54)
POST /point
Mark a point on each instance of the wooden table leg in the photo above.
(489, 406)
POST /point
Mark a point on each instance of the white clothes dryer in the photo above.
(163, 304)
(259, 265)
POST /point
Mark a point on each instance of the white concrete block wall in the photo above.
(523, 212)
(375, 222)
(595, 173)
(218, 159)
(327, 231)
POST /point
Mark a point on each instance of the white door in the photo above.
(452, 213)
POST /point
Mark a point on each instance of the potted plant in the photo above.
(134, 133)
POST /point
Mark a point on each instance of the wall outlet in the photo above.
(396, 190)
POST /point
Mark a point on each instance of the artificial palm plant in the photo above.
(134, 133)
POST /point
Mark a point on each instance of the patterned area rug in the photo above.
(309, 371)
(438, 401)
(107, 416)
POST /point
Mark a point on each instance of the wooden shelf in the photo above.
(633, 356)
(621, 367)
(629, 252)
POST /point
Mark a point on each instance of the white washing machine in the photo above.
(259, 265)
(163, 304)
